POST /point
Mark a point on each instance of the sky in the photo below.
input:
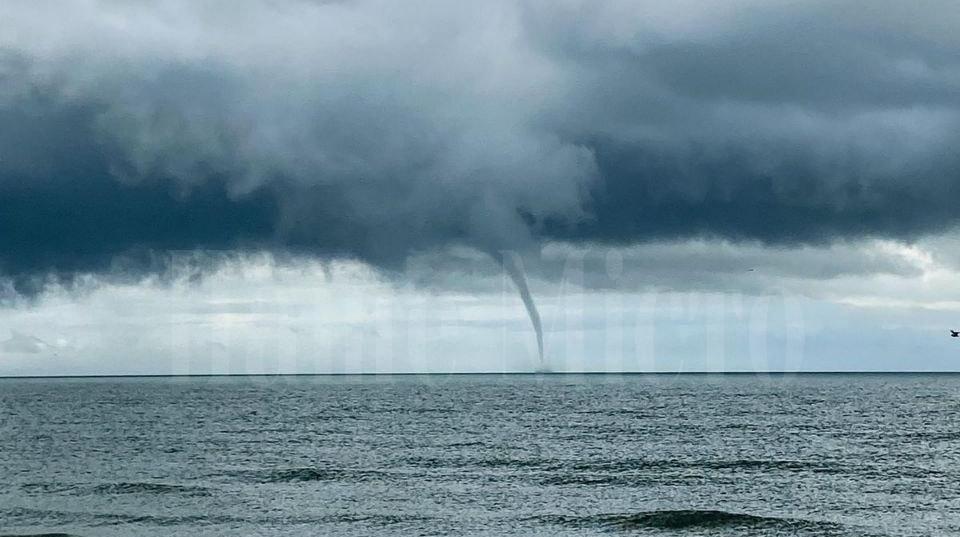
(307, 186)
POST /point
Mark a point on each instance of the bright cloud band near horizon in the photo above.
(802, 150)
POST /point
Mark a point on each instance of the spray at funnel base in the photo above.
(514, 267)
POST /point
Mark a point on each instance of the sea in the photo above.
(490, 455)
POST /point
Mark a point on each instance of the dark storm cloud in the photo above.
(374, 130)
(784, 124)
(63, 209)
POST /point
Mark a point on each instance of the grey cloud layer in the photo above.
(375, 129)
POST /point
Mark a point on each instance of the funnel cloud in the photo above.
(513, 266)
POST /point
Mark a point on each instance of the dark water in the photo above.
(482, 455)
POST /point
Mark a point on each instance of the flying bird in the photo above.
(954, 333)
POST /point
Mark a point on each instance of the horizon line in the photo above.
(488, 373)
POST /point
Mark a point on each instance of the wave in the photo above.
(115, 488)
(763, 465)
(603, 479)
(511, 463)
(471, 443)
(149, 488)
(481, 462)
(307, 474)
(25, 517)
(37, 535)
(688, 519)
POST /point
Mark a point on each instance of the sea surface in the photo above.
(482, 455)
